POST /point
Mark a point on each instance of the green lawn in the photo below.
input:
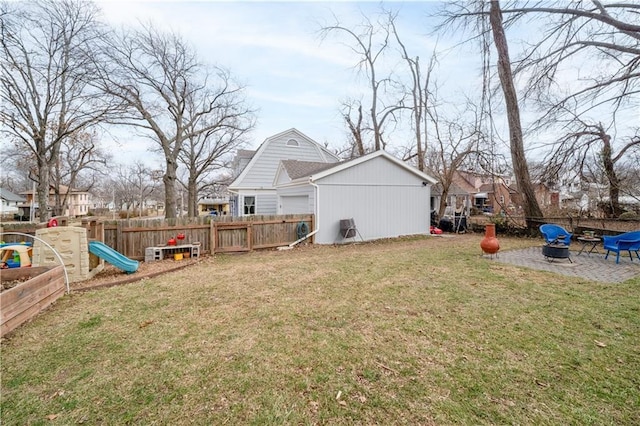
(416, 331)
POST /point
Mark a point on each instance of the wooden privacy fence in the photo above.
(215, 234)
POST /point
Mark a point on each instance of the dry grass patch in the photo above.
(415, 331)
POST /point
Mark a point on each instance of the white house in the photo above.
(384, 196)
(9, 202)
(253, 190)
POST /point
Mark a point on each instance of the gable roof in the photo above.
(10, 196)
(64, 189)
(454, 189)
(333, 168)
(324, 152)
(297, 169)
(461, 181)
(380, 153)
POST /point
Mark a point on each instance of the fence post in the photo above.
(213, 236)
(250, 236)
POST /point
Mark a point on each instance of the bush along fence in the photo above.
(215, 234)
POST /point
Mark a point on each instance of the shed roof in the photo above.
(380, 153)
(309, 171)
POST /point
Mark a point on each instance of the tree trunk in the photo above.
(443, 202)
(169, 179)
(192, 198)
(43, 189)
(614, 183)
(520, 167)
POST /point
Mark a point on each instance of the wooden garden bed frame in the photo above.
(26, 300)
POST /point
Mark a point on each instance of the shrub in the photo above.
(629, 216)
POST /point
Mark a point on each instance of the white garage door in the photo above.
(297, 204)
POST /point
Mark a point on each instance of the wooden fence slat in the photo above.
(216, 234)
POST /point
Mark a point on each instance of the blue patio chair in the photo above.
(555, 234)
(629, 242)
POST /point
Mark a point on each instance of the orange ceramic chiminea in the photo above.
(489, 243)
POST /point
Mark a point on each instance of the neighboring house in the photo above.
(490, 193)
(210, 205)
(384, 196)
(253, 190)
(546, 197)
(495, 197)
(485, 193)
(10, 202)
(459, 197)
(77, 202)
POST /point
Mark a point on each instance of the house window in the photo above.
(250, 205)
(292, 142)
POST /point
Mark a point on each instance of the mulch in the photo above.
(111, 276)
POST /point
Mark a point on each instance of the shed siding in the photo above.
(384, 200)
(377, 171)
(294, 204)
(378, 211)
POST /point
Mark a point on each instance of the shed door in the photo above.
(297, 204)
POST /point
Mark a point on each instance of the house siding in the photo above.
(266, 203)
(261, 172)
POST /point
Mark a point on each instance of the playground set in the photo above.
(61, 254)
(15, 255)
(81, 248)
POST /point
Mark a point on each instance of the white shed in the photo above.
(385, 197)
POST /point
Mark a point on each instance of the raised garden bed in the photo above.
(26, 292)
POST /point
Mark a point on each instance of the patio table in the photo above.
(589, 242)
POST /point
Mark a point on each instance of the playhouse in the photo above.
(15, 255)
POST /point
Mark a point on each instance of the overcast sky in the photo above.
(293, 77)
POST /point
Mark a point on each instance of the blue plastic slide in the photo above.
(113, 257)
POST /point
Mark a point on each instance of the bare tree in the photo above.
(594, 31)
(453, 142)
(419, 96)
(131, 186)
(589, 33)
(369, 42)
(80, 162)
(158, 76)
(356, 146)
(205, 152)
(518, 158)
(45, 51)
(588, 148)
